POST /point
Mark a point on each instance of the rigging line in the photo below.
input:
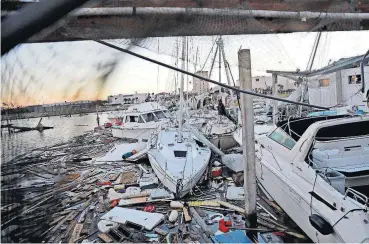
(207, 79)
(157, 76)
(208, 54)
(212, 64)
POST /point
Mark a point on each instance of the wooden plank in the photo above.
(76, 233)
(202, 224)
(187, 217)
(105, 238)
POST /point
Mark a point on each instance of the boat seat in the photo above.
(342, 155)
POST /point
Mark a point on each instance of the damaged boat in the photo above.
(316, 169)
(139, 121)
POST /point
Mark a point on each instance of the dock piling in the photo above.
(248, 140)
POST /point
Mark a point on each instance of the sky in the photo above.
(45, 73)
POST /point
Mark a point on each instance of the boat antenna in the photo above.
(181, 90)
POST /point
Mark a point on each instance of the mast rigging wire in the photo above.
(207, 79)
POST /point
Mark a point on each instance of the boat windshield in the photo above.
(160, 115)
(132, 119)
(149, 117)
(278, 135)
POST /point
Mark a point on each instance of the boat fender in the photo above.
(127, 155)
(173, 216)
(320, 224)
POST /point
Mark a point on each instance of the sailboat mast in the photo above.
(181, 91)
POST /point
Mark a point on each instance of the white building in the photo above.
(128, 98)
(264, 82)
(341, 87)
(200, 86)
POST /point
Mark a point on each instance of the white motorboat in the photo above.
(316, 169)
(140, 121)
(178, 165)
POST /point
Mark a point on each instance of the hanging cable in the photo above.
(207, 79)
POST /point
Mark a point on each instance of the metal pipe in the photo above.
(362, 65)
(218, 12)
(220, 66)
(274, 92)
(248, 137)
(226, 65)
(207, 79)
(213, 61)
(180, 135)
(204, 140)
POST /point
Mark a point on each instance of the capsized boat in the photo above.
(178, 165)
(140, 121)
(316, 169)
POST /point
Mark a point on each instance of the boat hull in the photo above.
(142, 135)
(170, 183)
(178, 173)
(295, 205)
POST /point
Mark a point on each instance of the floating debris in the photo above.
(82, 191)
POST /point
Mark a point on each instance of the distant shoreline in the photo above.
(29, 115)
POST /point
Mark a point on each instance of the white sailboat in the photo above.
(316, 169)
(177, 158)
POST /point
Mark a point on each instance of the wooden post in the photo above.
(275, 103)
(248, 140)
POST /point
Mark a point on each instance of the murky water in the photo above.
(64, 129)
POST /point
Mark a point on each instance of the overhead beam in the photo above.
(276, 5)
(117, 23)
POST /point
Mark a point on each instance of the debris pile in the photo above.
(73, 193)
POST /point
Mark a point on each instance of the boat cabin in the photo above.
(335, 146)
(144, 117)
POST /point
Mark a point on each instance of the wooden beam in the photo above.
(276, 5)
(116, 27)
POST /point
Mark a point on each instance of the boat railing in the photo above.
(357, 196)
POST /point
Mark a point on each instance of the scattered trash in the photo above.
(235, 193)
(122, 215)
(173, 216)
(81, 191)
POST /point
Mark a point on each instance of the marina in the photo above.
(242, 144)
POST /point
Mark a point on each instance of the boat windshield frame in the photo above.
(285, 137)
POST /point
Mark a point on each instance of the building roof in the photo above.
(343, 63)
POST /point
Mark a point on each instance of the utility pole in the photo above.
(275, 103)
(248, 140)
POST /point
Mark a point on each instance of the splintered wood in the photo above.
(76, 233)
(68, 178)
